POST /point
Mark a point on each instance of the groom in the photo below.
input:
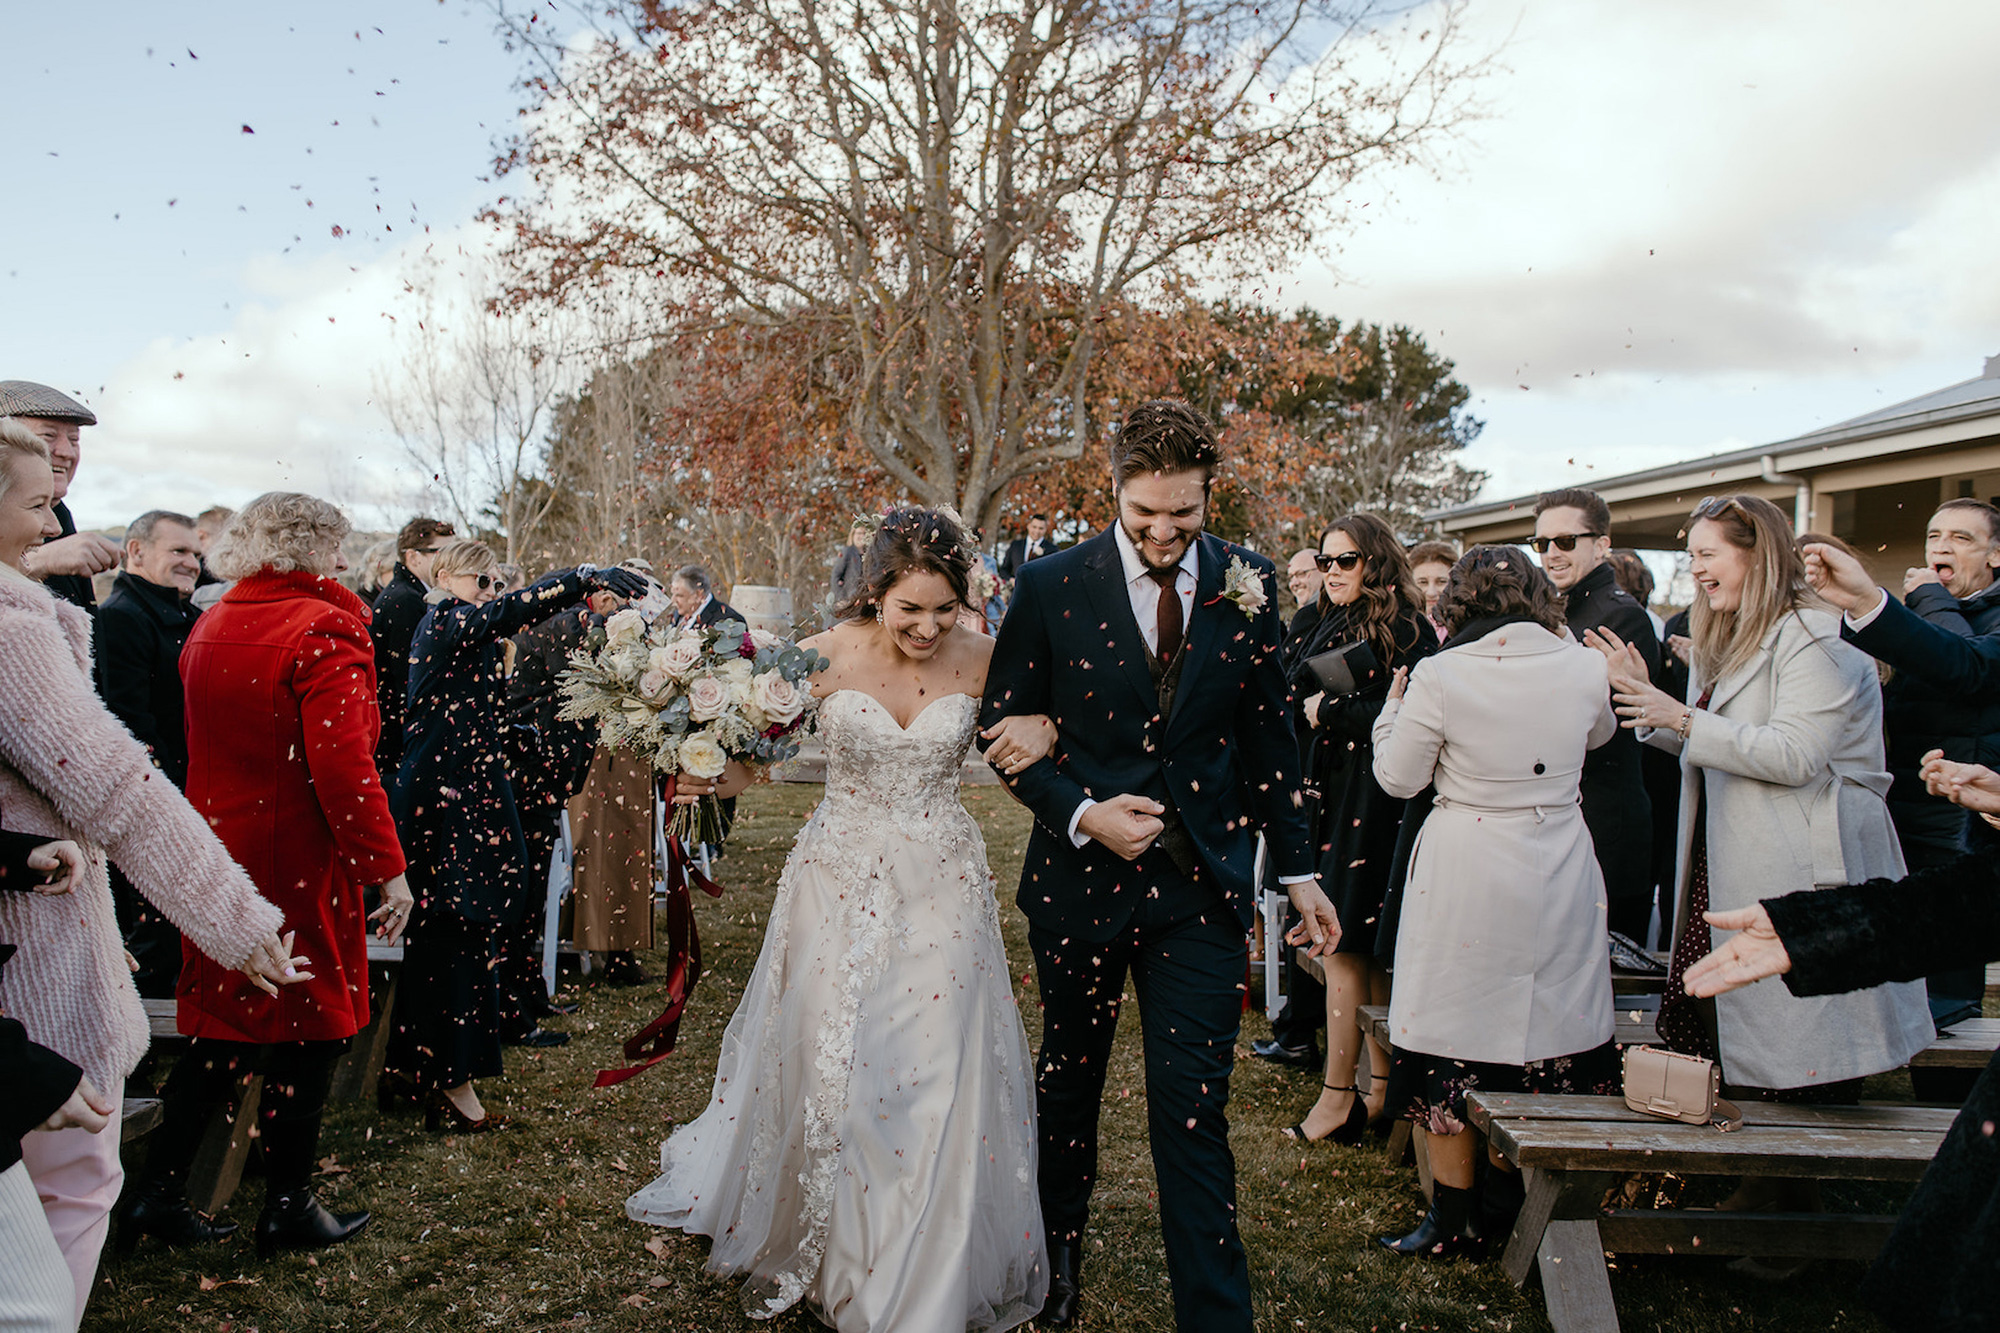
(1175, 751)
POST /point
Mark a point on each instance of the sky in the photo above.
(1677, 228)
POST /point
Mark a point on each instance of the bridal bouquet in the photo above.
(689, 699)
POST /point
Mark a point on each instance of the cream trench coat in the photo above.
(1501, 955)
(1789, 756)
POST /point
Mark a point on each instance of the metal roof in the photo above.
(1954, 404)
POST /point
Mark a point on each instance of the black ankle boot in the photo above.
(160, 1208)
(1065, 1288)
(300, 1222)
(1446, 1230)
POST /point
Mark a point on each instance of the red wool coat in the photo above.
(282, 724)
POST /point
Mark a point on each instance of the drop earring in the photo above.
(879, 618)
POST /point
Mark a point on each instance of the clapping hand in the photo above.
(1399, 681)
(1753, 953)
(271, 964)
(1019, 742)
(1974, 786)
(1640, 702)
(61, 864)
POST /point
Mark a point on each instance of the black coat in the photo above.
(76, 589)
(1944, 695)
(1016, 555)
(714, 611)
(141, 629)
(1615, 804)
(453, 799)
(1225, 756)
(38, 1080)
(1355, 822)
(551, 755)
(1940, 1270)
(398, 610)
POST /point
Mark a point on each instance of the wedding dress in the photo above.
(869, 1147)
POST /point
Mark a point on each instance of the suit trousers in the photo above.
(77, 1175)
(1185, 951)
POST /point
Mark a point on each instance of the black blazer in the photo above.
(1071, 648)
(714, 611)
(398, 610)
(454, 799)
(1016, 555)
(141, 629)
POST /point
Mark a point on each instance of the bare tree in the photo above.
(956, 191)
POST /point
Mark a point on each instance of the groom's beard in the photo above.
(1149, 554)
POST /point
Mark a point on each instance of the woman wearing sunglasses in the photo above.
(1782, 790)
(1369, 597)
(460, 829)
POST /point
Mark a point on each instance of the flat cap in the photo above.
(25, 398)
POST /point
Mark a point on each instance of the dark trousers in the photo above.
(448, 1011)
(524, 998)
(1186, 955)
(297, 1075)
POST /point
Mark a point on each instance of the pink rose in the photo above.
(776, 697)
(707, 698)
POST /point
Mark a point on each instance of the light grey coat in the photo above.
(1789, 756)
(1501, 954)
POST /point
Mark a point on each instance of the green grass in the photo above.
(526, 1230)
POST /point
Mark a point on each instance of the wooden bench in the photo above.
(1966, 1045)
(1573, 1150)
(360, 1069)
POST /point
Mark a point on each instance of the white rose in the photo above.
(707, 698)
(654, 686)
(701, 757)
(777, 698)
(763, 638)
(1252, 598)
(624, 627)
(679, 657)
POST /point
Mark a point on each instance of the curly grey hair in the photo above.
(279, 532)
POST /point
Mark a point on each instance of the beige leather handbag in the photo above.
(1679, 1087)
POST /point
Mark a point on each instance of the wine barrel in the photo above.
(764, 607)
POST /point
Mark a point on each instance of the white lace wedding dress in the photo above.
(869, 1147)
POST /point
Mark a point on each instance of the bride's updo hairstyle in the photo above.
(912, 541)
(1500, 581)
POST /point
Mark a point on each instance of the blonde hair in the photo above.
(463, 555)
(1774, 584)
(16, 439)
(279, 532)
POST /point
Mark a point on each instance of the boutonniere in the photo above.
(1243, 585)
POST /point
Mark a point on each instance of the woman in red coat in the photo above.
(282, 724)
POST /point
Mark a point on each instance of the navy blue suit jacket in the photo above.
(1071, 648)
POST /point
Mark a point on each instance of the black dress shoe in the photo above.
(1065, 1290)
(301, 1222)
(1304, 1057)
(161, 1209)
(539, 1037)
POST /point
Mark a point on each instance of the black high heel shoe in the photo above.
(1446, 1231)
(1347, 1133)
(441, 1114)
(161, 1209)
(301, 1222)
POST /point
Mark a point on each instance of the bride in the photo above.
(869, 1147)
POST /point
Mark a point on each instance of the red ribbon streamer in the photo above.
(655, 1042)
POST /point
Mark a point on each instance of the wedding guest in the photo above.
(68, 561)
(1942, 645)
(397, 609)
(695, 602)
(1573, 539)
(1303, 578)
(1031, 545)
(281, 726)
(377, 567)
(459, 825)
(68, 770)
(1939, 1270)
(208, 526)
(847, 566)
(1368, 598)
(611, 836)
(1430, 566)
(1501, 978)
(140, 629)
(1782, 763)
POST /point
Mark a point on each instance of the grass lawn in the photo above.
(526, 1230)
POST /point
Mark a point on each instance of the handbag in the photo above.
(1679, 1087)
(1346, 669)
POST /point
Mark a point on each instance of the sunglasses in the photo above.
(1346, 560)
(1566, 542)
(1714, 506)
(493, 581)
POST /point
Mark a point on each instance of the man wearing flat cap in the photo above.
(64, 564)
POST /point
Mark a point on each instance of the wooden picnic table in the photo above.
(1966, 1045)
(1573, 1150)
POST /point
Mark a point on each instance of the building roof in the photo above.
(1966, 410)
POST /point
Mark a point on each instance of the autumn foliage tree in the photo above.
(953, 199)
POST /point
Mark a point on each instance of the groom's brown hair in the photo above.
(1164, 436)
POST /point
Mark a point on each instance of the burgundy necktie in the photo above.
(1168, 620)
